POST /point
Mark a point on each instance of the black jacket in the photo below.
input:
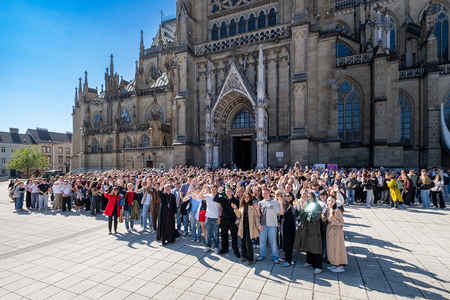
(227, 210)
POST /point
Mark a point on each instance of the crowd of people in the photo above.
(286, 209)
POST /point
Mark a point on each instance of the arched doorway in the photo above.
(242, 133)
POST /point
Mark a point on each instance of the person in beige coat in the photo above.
(336, 252)
(248, 226)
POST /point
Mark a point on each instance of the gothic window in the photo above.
(441, 30)
(242, 25)
(262, 20)
(343, 50)
(97, 121)
(95, 146)
(405, 120)
(243, 119)
(252, 23)
(164, 143)
(223, 30)
(447, 111)
(159, 112)
(272, 17)
(153, 72)
(221, 5)
(109, 145)
(342, 29)
(215, 33)
(126, 118)
(349, 112)
(145, 142)
(232, 29)
(127, 143)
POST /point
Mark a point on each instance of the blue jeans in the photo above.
(271, 233)
(145, 215)
(195, 223)
(186, 223)
(19, 201)
(178, 220)
(212, 231)
(126, 215)
(351, 196)
(425, 195)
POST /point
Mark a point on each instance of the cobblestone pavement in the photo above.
(392, 254)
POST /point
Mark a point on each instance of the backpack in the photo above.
(399, 185)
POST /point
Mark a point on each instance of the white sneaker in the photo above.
(306, 265)
(184, 233)
(216, 250)
(190, 233)
(145, 230)
(198, 240)
(129, 231)
(331, 268)
(338, 269)
(318, 271)
(257, 246)
(132, 229)
(193, 240)
(407, 206)
(207, 249)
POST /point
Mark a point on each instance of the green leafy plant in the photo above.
(27, 158)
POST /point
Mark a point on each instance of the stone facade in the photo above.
(271, 82)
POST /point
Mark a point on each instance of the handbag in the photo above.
(121, 216)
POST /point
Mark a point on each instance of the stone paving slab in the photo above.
(393, 254)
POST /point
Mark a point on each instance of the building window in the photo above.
(126, 118)
(44, 149)
(262, 20)
(49, 150)
(159, 114)
(95, 146)
(242, 25)
(405, 120)
(272, 17)
(223, 30)
(109, 145)
(441, 29)
(252, 23)
(97, 121)
(49, 158)
(3, 149)
(348, 112)
(67, 150)
(3, 171)
(60, 159)
(67, 160)
(232, 29)
(60, 168)
(243, 119)
(13, 150)
(343, 50)
(214, 33)
(391, 37)
(3, 160)
(60, 150)
(145, 142)
(127, 143)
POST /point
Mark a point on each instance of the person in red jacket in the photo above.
(113, 208)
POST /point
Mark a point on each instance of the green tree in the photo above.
(27, 158)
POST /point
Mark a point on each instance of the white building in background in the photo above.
(9, 143)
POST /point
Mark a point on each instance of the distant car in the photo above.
(52, 173)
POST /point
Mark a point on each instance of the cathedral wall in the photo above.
(411, 88)
(283, 147)
(354, 157)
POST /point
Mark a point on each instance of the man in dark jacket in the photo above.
(228, 220)
(351, 185)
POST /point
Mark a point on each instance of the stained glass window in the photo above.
(343, 50)
(97, 121)
(109, 145)
(223, 30)
(405, 120)
(145, 142)
(262, 20)
(349, 112)
(127, 143)
(252, 23)
(441, 29)
(242, 25)
(95, 146)
(160, 113)
(215, 33)
(232, 29)
(243, 119)
(272, 17)
(126, 118)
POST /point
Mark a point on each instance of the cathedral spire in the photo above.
(80, 90)
(142, 42)
(76, 95)
(136, 74)
(111, 66)
(85, 88)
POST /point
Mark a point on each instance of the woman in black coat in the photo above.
(288, 226)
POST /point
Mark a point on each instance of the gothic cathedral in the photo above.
(264, 83)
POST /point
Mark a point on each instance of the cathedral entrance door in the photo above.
(149, 164)
(243, 152)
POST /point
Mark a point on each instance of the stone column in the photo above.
(261, 115)
(208, 131)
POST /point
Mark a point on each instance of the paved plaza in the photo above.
(393, 254)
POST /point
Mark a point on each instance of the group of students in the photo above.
(290, 208)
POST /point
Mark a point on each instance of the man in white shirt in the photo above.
(269, 210)
(176, 192)
(57, 205)
(212, 219)
(66, 190)
(145, 215)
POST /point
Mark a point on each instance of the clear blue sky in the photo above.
(47, 45)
